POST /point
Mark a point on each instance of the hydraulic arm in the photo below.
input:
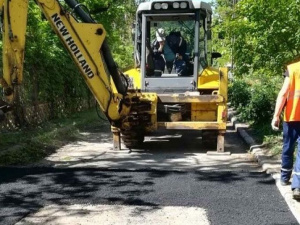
(85, 42)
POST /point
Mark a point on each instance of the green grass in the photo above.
(272, 140)
(29, 145)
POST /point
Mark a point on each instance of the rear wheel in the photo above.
(209, 138)
(132, 138)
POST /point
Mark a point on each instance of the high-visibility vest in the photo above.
(292, 108)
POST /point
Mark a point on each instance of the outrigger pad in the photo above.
(217, 153)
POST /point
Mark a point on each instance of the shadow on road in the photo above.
(170, 170)
(26, 190)
(163, 150)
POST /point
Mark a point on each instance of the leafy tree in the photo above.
(264, 35)
(261, 37)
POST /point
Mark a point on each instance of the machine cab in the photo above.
(172, 44)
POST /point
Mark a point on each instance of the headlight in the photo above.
(164, 5)
(183, 5)
(157, 6)
(176, 5)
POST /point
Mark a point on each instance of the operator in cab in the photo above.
(169, 52)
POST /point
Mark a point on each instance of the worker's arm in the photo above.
(280, 102)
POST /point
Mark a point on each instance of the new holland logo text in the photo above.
(72, 46)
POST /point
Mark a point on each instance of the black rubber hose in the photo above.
(111, 64)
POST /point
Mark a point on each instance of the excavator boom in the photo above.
(85, 41)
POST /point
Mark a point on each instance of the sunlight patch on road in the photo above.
(117, 214)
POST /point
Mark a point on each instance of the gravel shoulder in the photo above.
(161, 151)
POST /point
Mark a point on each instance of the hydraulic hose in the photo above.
(111, 65)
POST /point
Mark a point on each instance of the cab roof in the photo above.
(193, 4)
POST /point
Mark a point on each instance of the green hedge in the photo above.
(254, 99)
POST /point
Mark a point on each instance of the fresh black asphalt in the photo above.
(229, 198)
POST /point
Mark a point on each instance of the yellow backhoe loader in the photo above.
(144, 98)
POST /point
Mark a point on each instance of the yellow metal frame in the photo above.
(14, 28)
(192, 125)
(181, 98)
(209, 112)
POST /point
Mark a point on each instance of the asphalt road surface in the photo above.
(62, 193)
(227, 197)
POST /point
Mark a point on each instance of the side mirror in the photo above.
(216, 55)
(133, 26)
(221, 35)
(208, 35)
(100, 9)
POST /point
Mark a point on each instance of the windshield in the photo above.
(186, 29)
(172, 42)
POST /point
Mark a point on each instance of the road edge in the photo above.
(269, 165)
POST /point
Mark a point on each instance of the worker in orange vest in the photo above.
(289, 99)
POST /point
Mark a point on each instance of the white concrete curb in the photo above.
(271, 166)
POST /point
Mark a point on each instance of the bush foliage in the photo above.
(50, 75)
(260, 39)
(254, 99)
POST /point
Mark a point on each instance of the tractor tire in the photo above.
(209, 138)
(132, 139)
